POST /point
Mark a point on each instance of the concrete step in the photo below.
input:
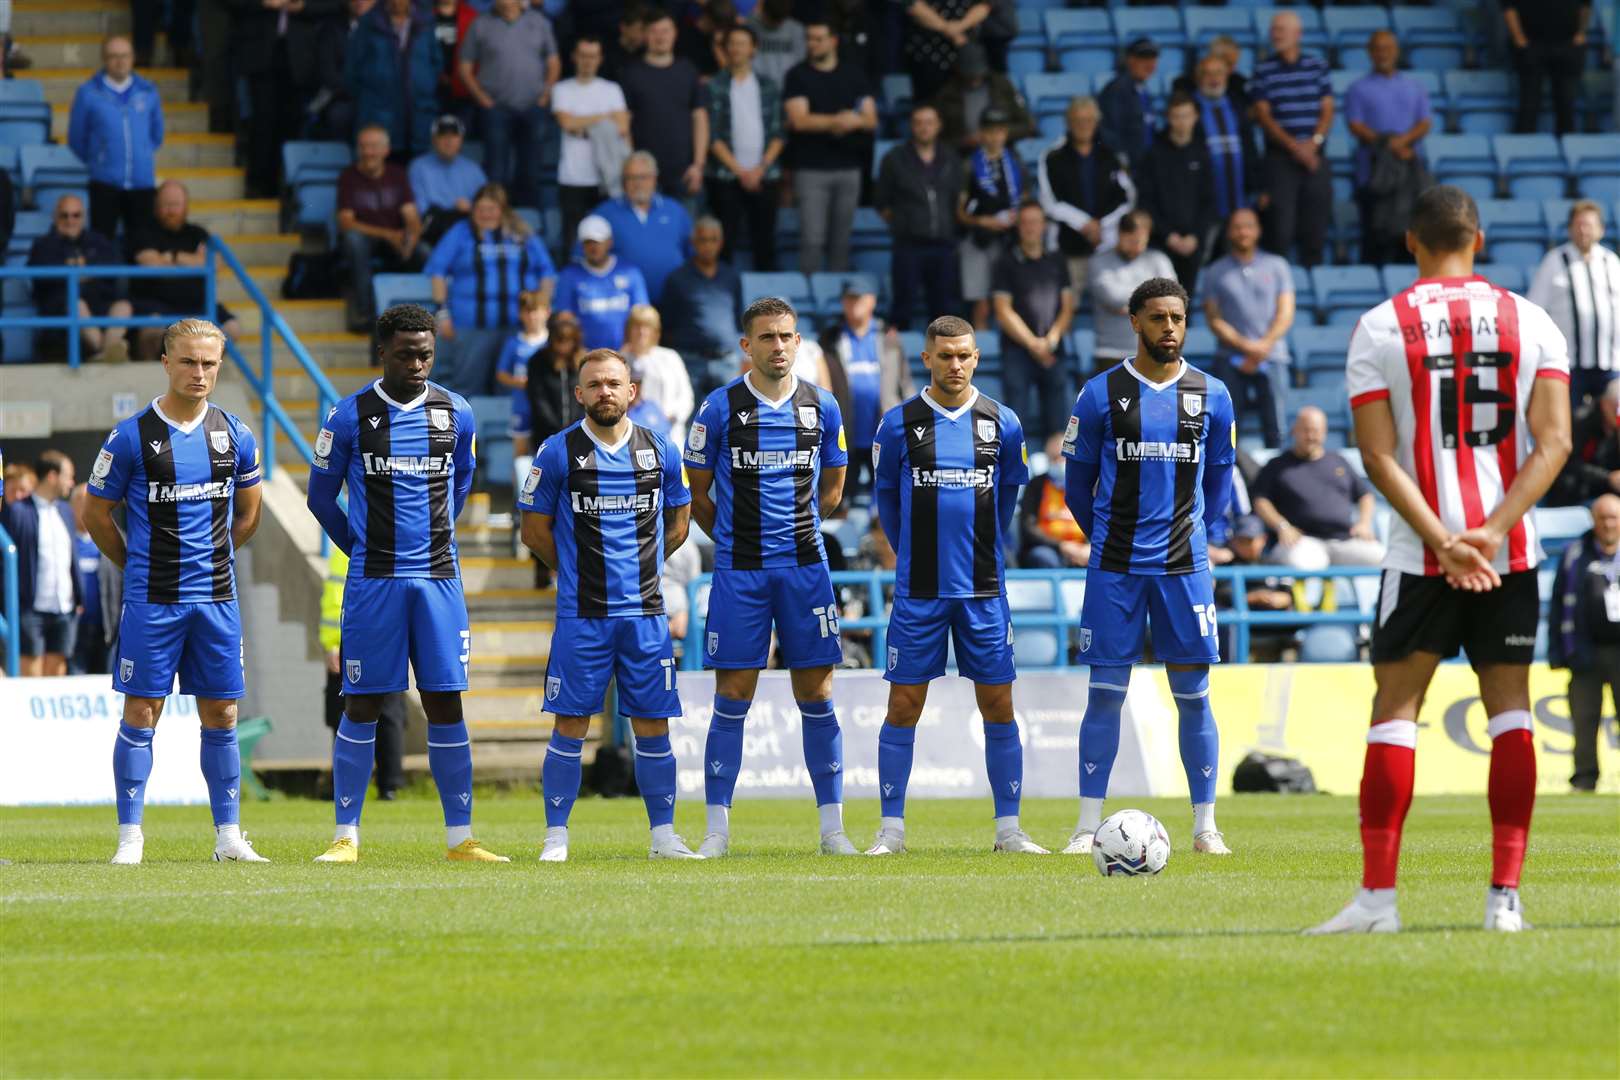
(485, 572)
(212, 183)
(511, 603)
(97, 18)
(291, 382)
(519, 707)
(179, 116)
(267, 278)
(262, 249)
(60, 84)
(304, 316)
(74, 50)
(507, 671)
(515, 637)
(227, 217)
(196, 149)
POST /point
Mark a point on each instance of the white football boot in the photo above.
(129, 851)
(1080, 843)
(837, 843)
(555, 849)
(1361, 917)
(1211, 843)
(234, 847)
(1017, 840)
(888, 842)
(715, 845)
(672, 847)
(1503, 911)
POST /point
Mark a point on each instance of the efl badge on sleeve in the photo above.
(323, 443)
(1072, 430)
(807, 416)
(1193, 403)
(646, 459)
(697, 437)
(1085, 638)
(987, 430)
(353, 668)
(220, 441)
(440, 418)
(102, 467)
(875, 448)
(126, 670)
(533, 480)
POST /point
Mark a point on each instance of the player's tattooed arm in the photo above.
(703, 509)
(539, 538)
(103, 530)
(677, 523)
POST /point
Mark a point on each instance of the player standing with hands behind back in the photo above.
(1449, 382)
(766, 459)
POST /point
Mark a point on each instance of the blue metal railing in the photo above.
(8, 624)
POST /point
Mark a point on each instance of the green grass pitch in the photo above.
(946, 961)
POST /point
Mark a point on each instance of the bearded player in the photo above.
(1450, 382)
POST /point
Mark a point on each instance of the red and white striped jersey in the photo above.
(1457, 358)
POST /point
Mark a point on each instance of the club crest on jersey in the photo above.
(987, 430)
(440, 418)
(696, 437)
(1085, 639)
(553, 687)
(353, 669)
(1193, 403)
(126, 669)
(220, 441)
(807, 416)
(646, 459)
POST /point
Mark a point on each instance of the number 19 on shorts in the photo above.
(1206, 619)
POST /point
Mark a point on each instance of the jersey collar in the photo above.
(602, 446)
(949, 414)
(1145, 381)
(793, 387)
(402, 406)
(184, 429)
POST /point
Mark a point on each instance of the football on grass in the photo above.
(1132, 843)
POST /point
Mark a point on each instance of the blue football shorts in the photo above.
(389, 621)
(918, 629)
(1119, 608)
(798, 600)
(636, 651)
(201, 642)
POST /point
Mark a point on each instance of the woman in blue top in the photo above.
(479, 268)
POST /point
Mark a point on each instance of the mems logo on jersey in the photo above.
(1155, 450)
(773, 460)
(953, 478)
(406, 464)
(636, 502)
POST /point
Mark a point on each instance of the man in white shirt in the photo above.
(579, 104)
(41, 525)
(1578, 283)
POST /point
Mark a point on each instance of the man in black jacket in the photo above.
(1593, 466)
(71, 242)
(1086, 187)
(1177, 186)
(916, 193)
(1583, 626)
(274, 50)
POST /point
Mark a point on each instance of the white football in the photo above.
(1131, 842)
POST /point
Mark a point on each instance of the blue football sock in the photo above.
(132, 765)
(353, 751)
(222, 769)
(655, 776)
(1200, 741)
(895, 745)
(722, 754)
(823, 750)
(1004, 764)
(559, 778)
(1099, 731)
(450, 761)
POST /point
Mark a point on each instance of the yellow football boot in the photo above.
(473, 851)
(342, 850)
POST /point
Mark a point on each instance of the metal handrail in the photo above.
(9, 624)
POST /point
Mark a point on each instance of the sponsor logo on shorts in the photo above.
(1522, 641)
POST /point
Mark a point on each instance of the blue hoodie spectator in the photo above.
(397, 88)
(116, 128)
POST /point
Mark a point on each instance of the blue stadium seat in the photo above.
(317, 209)
(1329, 644)
(390, 289)
(1397, 276)
(49, 170)
(1035, 647)
(1482, 102)
(1594, 161)
(19, 341)
(880, 150)
(1049, 95)
(1204, 23)
(305, 162)
(1345, 228)
(1026, 57)
(1031, 594)
(869, 229)
(1595, 102)
(792, 287)
(1077, 35)
(30, 226)
(1510, 275)
(1313, 36)
(1431, 37)
(1030, 151)
(896, 93)
(1340, 151)
(1330, 399)
(25, 119)
(1161, 24)
(1557, 525)
(1515, 231)
(1083, 347)
(876, 263)
(1319, 353)
(24, 91)
(1348, 28)
(911, 345)
(1200, 347)
(1532, 166)
(1344, 292)
(1464, 160)
(827, 290)
(1099, 65)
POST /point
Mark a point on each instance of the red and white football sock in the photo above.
(1386, 795)
(1512, 793)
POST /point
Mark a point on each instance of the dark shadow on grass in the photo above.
(1165, 935)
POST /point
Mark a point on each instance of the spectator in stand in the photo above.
(90, 635)
(145, 17)
(329, 114)
(1583, 623)
(70, 243)
(1249, 304)
(1320, 509)
(745, 151)
(781, 40)
(830, 113)
(377, 220)
(660, 375)
(868, 374)
(972, 93)
(1293, 104)
(391, 67)
(1086, 187)
(700, 306)
(451, 21)
(172, 240)
(1224, 127)
(994, 185)
(478, 271)
(629, 44)
(1387, 112)
(651, 232)
(1578, 283)
(1035, 304)
(48, 598)
(19, 481)
(443, 182)
(1593, 466)
(274, 51)
(512, 369)
(509, 64)
(116, 129)
(668, 117)
(862, 39)
(1115, 274)
(1247, 547)
(1549, 44)
(598, 288)
(917, 191)
(935, 31)
(1176, 185)
(1128, 120)
(1048, 536)
(1224, 49)
(547, 404)
(590, 111)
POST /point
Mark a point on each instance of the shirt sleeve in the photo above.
(446, 251)
(334, 443)
(1082, 440)
(1014, 452)
(466, 453)
(1551, 344)
(247, 457)
(1364, 376)
(563, 298)
(548, 473)
(530, 492)
(540, 264)
(1541, 286)
(834, 449)
(703, 437)
(109, 477)
(1222, 420)
(675, 490)
(638, 288)
(886, 451)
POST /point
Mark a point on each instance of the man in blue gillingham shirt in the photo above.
(187, 472)
(1150, 466)
(599, 287)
